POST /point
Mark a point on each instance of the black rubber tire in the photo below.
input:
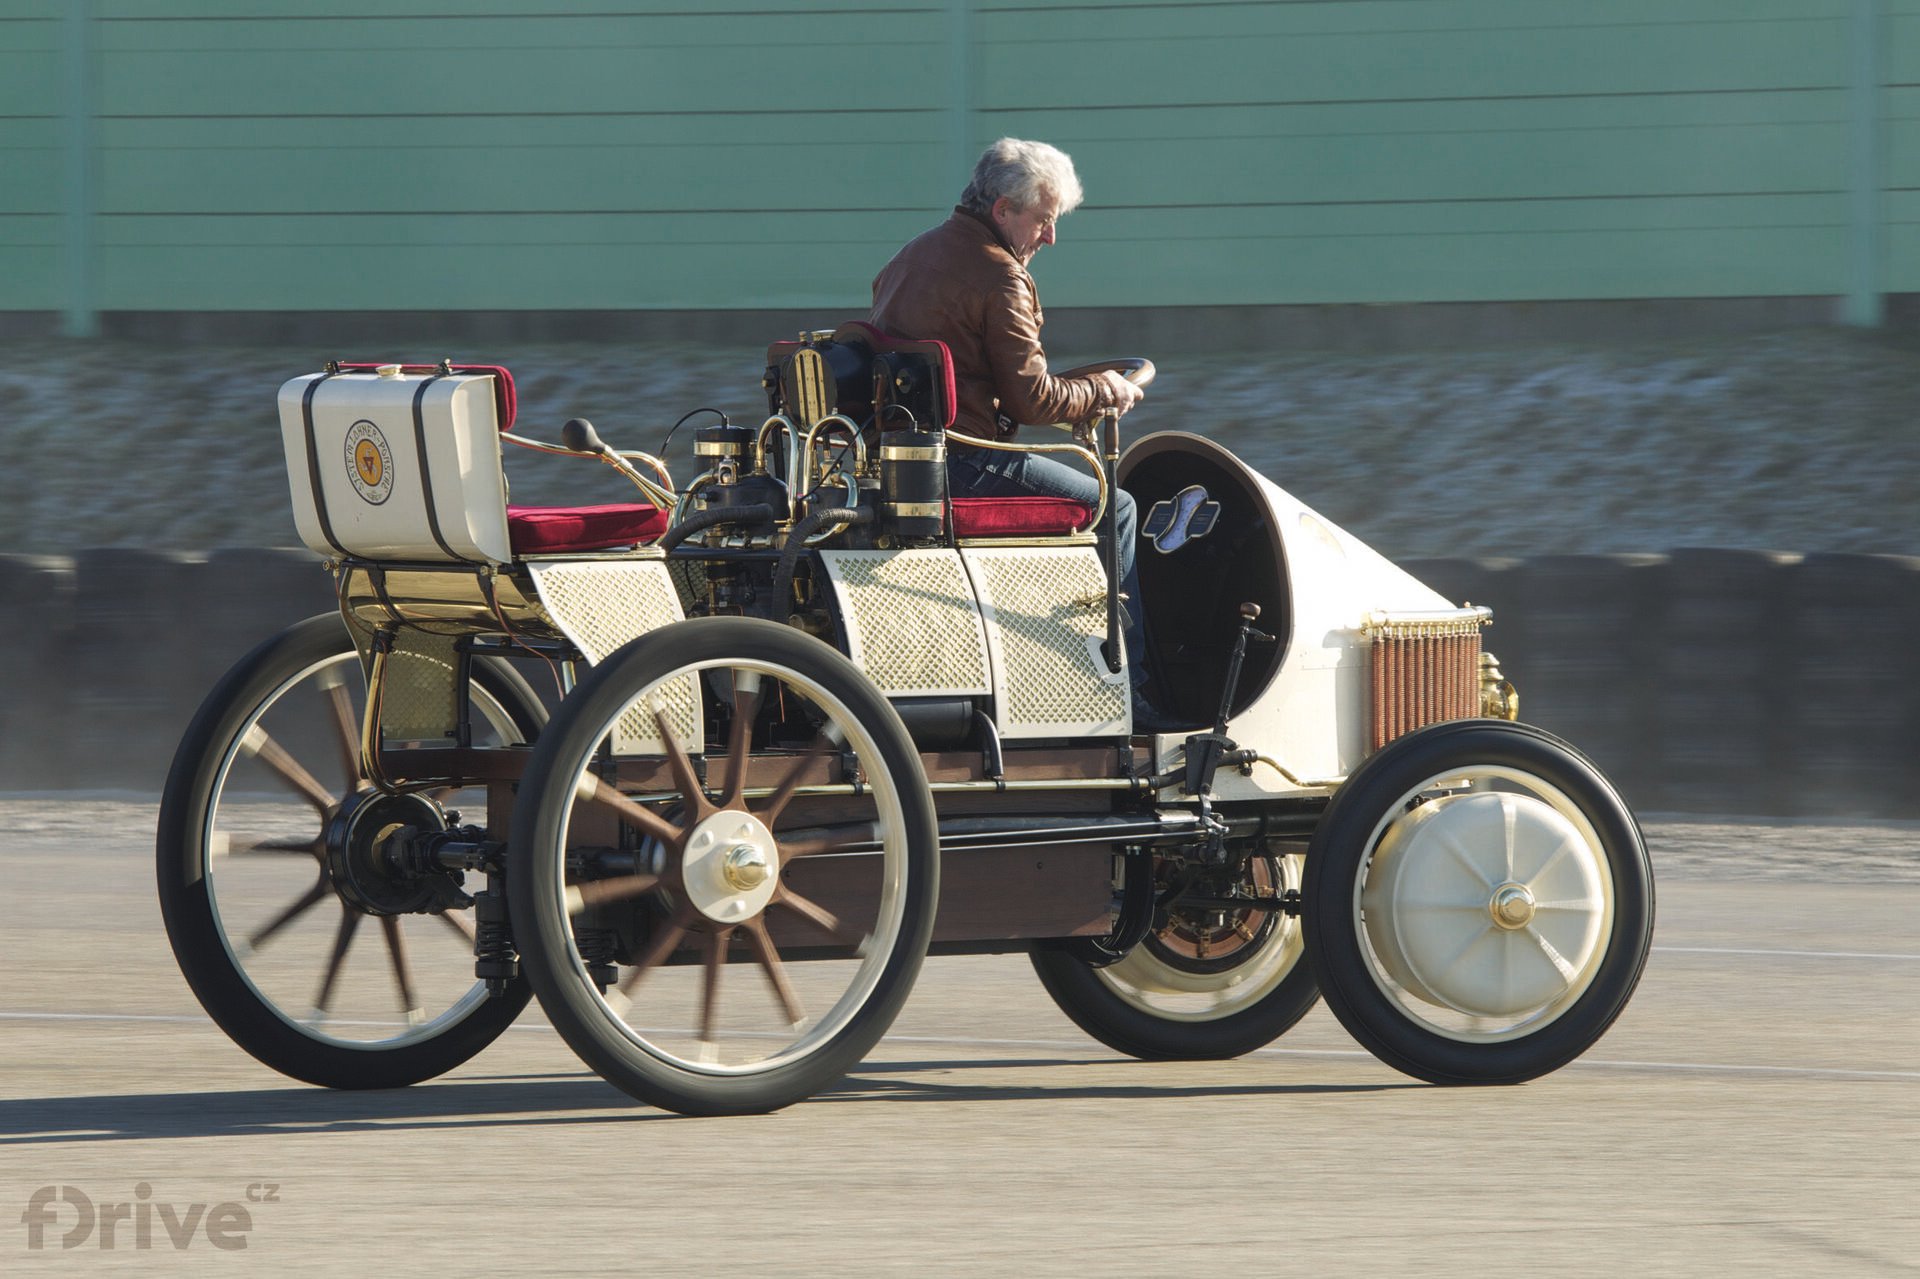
(1350, 974)
(191, 914)
(1092, 999)
(537, 874)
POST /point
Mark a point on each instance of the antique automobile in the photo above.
(813, 718)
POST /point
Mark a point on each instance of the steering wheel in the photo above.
(1133, 368)
(1136, 370)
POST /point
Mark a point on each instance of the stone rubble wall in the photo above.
(1715, 681)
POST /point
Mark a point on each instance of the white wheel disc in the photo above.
(1491, 904)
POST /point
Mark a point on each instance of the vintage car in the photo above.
(813, 718)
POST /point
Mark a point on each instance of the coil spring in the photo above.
(495, 961)
(596, 947)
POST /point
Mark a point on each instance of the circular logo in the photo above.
(369, 462)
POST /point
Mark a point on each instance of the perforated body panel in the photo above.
(1044, 611)
(600, 606)
(417, 703)
(912, 623)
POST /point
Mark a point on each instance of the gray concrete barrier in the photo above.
(133, 659)
(1720, 660)
(36, 676)
(1851, 738)
(1704, 680)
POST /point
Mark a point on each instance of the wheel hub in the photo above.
(1210, 941)
(746, 867)
(1512, 906)
(731, 866)
(357, 863)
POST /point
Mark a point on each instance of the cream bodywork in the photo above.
(1311, 717)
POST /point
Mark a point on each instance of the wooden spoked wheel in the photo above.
(298, 937)
(724, 867)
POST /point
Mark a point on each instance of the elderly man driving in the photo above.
(965, 283)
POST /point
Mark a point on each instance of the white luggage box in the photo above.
(396, 464)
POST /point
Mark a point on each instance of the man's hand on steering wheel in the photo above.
(1122, 384)
(1120, 396)
(1121, 393)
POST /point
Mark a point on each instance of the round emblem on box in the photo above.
(369, 462)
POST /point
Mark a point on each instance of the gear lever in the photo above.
(1206, 752)
(1249, 614)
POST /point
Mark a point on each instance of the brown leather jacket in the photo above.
(959, 284)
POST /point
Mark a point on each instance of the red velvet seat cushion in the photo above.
(550, 530)
(1019, 516)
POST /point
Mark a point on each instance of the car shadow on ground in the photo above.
(543, 1100)
(905, 1081)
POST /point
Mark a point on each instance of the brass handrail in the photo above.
(1088, 455)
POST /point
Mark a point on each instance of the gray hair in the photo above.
(1023, 173)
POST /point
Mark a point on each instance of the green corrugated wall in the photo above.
(205, 155)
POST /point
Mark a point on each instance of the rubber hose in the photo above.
(797, 543)
(701, 521)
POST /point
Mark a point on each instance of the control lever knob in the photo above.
(1250, 611)
(578, 434)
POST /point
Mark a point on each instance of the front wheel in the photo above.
(1479, 903)
(724, 868)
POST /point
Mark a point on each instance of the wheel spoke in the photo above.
(227, 845)
(831, 738)
(746, 705)
(349, 922)
(597, 891)
(1566, 848)
(1451, 965)
(663, 943)
(402, 969)
(346, 725)
(1561, 964)
(682, 765)
(818, 915)
(763, 951)
(716, 959)
(643, 819)
(810, 841)
(301, 905)
(458, 923)
(258, 743)
(1466, 862)
(1586, 905)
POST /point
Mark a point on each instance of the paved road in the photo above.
(1756, 1112)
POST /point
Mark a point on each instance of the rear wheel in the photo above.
(1479, 903)
(719, 795)
(298, 940)
(1206, 984)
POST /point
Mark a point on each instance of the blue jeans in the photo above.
(995, 473)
